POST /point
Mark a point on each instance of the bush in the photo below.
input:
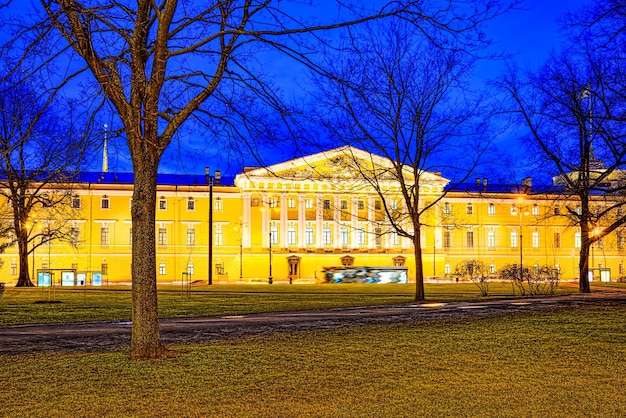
(477, 272)
(543, 281)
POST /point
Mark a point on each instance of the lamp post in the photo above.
(270, 280)
(210, 181)
(521, 244)
(240, 248)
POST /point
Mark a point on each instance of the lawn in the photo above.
(50, 305)
(566, 363)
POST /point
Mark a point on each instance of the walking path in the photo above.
(104, 336)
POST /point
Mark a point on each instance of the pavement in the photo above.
(106, 336)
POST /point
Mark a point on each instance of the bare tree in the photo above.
(160, 64)
(574, 110)
(40, 154)
(407, 99)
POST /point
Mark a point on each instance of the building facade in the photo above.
(292, 221)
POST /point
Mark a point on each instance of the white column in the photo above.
(301, 221)
(319, 202)
(266, 221)
(371, 215)
(337, 223)
(283, 221)
(354, 214)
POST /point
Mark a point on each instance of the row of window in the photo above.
(309, 203)
(362, 237)
(514, 241)
(105, 204)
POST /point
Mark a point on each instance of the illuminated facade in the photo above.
(292, 220)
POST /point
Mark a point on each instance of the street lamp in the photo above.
(209, 181)
(521, 210)
(270, 280)
(240, 248)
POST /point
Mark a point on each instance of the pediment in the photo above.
(344, 163)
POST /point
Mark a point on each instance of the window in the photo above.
(74, 233)
(535, 239)
(104, 203)
(491, 210)
(308, 203)
(378, 237)
(446, 268)
(578, 210)
(469, 238)
(191, 204)
(394, 205)
(557, 211)
(447, 210)
(104, 235)
(513, 210)
(326, 204)
(492, 268)
(218, 205)
(378, 205)
(291, 203)
(191, 237)
(162, 236)
(620, 238)
(291, 235)
(491, 238)
(273, 202)
(361, 238)
(76, 203)
(218, 235)
(343, 236)
(162, 270)
(469, 209)
(130, 236)
(514, 239)
(361, 204)
(13, 267)
(557, 240)
(309, 236)
(326, 236)
(274, 234)
(162, 204)
(394, 238)
(104, 268)
(577, 240)
(190, 269)
(447, 238)
(344, 205)
(535, 210)
(536, 268)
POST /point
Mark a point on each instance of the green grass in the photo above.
(22, 305)
(566, 363)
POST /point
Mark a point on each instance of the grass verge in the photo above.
(34, 305)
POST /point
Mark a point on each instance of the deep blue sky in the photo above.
(529, 33)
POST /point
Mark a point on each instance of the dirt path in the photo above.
(104, 336)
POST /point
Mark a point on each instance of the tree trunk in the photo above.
(419, 269)
(583, 269)
(146, 338)
(23, 279)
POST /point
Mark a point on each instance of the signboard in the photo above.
(96, 279)
(43, 278)
(67, 278)
(81, 279)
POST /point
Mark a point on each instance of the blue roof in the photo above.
(162, 179)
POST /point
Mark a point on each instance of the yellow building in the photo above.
(293, 220)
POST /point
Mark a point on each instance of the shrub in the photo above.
(543, 281)
(477, 272)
